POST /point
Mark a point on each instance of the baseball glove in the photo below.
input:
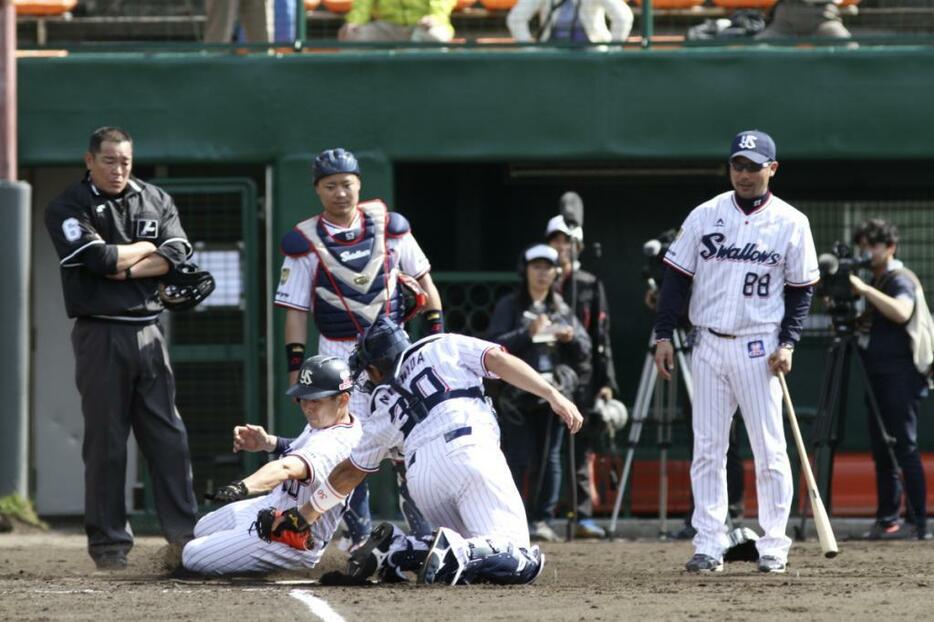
(413, 296)
(185, 287)
(234, 491)
(293, 531)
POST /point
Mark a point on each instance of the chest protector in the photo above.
(355, 281)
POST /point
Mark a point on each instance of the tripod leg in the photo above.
(572, 481)
(679, 344)
(639, 412)
(827, 409)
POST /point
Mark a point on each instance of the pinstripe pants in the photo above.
(223, 544)
(465, 485)
(727, 373)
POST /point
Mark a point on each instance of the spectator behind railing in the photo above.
(254, 16)
(399, 20)
(805, 18)
(570, 20)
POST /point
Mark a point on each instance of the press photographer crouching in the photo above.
(536, 325)
(897, 357)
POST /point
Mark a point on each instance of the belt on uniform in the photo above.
(721, 335)
(118, 322)
(448, 437)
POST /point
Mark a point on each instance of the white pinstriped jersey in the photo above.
(437, 363)
(321, 450)
(298, 273)
(224, 541)
(741, 263)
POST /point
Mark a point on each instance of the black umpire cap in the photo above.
(321, 376)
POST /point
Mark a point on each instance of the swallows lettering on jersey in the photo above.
(351, 255)
(715, 247)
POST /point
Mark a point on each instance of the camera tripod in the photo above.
(663, 398)
(830, 422)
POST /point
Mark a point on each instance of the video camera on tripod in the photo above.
(835, 270)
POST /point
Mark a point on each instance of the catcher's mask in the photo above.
(379, 345)
(321, 376)
(185, 287)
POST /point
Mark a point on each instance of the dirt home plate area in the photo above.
(48, 576)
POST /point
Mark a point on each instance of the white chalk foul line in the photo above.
(317, 606)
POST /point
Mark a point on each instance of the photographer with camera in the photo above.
(585, 291)
(896, 361)
(536, 325)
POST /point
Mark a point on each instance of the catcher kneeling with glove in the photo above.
(226, 540)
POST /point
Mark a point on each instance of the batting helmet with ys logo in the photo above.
(321, 376)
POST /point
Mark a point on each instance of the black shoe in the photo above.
(893, 531)
(369, 557)
(111, 560)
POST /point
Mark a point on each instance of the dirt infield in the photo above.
(50, 577)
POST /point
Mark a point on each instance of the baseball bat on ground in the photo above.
(828, 543)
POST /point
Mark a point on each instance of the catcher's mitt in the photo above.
(293, 530)
(185, 287)
(234, 491)
(413, 296)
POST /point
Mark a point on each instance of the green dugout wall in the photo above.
(445, 130)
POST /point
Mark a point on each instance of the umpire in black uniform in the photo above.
(894, 379)
(115, 235)
(593, 313)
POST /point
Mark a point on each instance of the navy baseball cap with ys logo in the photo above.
(754, 145)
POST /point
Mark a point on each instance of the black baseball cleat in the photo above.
(111, 560)
(369, 557)
(703, 563)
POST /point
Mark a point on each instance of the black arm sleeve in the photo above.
(503, 329)
(672, 300)
(100, 259)
(797, 304)
(173, 245)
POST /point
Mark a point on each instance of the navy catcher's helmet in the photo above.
(333, 162)
(321, 376)
(379, 345)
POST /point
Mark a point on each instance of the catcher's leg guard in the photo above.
(446, 559)
(502, 563)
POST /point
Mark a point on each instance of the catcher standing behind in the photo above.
(346, 266)
(429, 400)
(224, 541)
(117, 238)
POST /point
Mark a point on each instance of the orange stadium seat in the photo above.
(311, 5)
(464, 4)
(498, 5)
(744, 4)
(849, 2)
(44, 7)
(672, 4)
(338, 6)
